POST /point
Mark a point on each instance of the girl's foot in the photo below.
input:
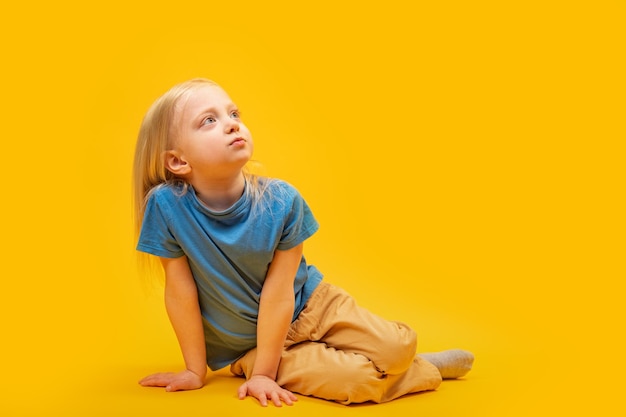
(452, 364)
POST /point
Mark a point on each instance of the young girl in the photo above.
(238, 290)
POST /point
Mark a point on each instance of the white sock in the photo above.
(452, 364)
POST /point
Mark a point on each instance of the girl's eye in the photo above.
(235, 114)
(208, 120)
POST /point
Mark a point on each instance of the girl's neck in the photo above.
(220, 194)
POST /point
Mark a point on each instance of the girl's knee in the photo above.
(399, 352)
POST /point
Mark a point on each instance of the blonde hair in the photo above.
(156, 137)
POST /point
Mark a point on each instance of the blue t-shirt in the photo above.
(229, 254)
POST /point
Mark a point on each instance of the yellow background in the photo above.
(465, 161)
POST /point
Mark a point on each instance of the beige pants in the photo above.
(339, 351)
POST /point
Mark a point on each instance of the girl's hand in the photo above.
(264, 388)
(174, 381)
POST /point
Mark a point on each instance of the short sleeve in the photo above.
(156, 237)
(299, 225)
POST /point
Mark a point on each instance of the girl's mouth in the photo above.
(238, 142)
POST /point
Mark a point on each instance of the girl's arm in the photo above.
(275, 313)
(181, 303)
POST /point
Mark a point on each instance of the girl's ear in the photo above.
(176, 164)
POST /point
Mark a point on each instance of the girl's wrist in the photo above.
(262, 376)
(199, 373)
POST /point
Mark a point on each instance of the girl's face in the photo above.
(210, 140)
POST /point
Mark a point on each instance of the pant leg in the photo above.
(315, 369)
(338, 351)
(333, 317)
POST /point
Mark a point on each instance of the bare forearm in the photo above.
(273, 324)
(186, 320)
(183, 309)
(276, 311)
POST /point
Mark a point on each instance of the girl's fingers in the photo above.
(156, 380)
(276, 399)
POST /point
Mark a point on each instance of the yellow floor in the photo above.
(82, 371)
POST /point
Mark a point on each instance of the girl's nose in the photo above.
(232, 126)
